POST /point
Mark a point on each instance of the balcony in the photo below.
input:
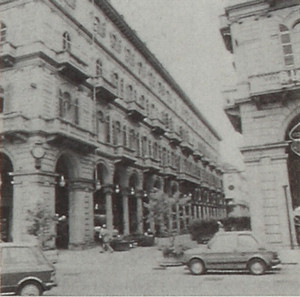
(136, 111)
(187, 176)
(226, 33)
(186, 147)
(7, 54)
(105, 89)
(274, 81)
(124, 155)
(158, 126)
(62, 131)
(15, 126)
(197, 154)
(71, 66)
(169, 171)
(173, 137)
(151, 165)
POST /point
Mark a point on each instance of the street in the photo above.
(136, 272)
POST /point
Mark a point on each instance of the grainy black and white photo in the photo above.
(150, 147)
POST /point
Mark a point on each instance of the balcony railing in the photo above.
(151, 164)
(60, 130)
(274, 81)
(71, 66)
(136, 111)
(158, 126)
(7, 54)
(105, 89)
(173, 137)
(186, 147)
(14, 125)
(124, 154)
(169, 171)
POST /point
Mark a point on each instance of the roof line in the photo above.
(118, 20)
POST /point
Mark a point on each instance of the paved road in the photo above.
(136, 272)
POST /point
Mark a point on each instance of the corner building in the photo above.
(92, 124)
(264, 37)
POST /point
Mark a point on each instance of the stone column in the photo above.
(29, 190)
(81, 225)
(140, 196)
(108, 191)
(125, 211)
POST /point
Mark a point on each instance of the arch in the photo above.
(283, 127)
(6, 200)
(66, 41)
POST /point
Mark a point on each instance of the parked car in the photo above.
(142, 239)
(25, 270)
(231, 251)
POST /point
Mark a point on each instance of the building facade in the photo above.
(92, 124)
(264, 37)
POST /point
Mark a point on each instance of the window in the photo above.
(286, 45)
(223, 243)
(96, 25)
(66, 41)
(125, 135)
(115, 80)
(3, 32)
(99, 68)
(247, 242)
(129, 92)
(100, 120)
(108, 129)
(68, 109)
(296, 42)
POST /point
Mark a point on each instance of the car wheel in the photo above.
(31, 288)
(196, 267)
(257, 267)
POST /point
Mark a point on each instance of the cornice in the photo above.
(131, 35)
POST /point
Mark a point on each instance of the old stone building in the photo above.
(92, 125)
(264, 37)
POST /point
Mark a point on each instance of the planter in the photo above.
(121, 245)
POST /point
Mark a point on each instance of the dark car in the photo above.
(25, 270)
(231, 251)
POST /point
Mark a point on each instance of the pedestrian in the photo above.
(221, 227)
(105, 240)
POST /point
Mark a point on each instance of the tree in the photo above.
(159, 206)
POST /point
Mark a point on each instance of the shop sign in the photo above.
(288, 77)
(295, 137)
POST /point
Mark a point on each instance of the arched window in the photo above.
(66, 41)
(96, 24)
(99, 68)
(115, 80)
(285, 39)
(1, 100)
(64, 104)
(3, 32)
(100, 120)
(129, 93)
(296, 42)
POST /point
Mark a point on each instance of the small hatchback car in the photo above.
(231, 251)
(25, 270)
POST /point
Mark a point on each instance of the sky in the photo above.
(184, 35)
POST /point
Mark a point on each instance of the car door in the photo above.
(247, 246)
(221, 252)
(8, 282)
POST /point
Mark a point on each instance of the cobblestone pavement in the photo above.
(136, 272)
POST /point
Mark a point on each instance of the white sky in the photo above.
(184, 35)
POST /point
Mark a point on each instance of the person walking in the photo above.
(105, 240)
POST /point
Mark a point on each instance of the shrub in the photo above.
(236, 223)
(203, 230)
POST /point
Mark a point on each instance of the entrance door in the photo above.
(6, 199)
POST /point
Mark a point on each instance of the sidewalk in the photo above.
(290, 257)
